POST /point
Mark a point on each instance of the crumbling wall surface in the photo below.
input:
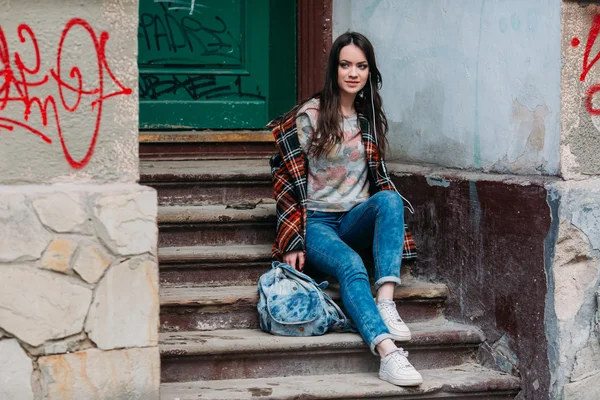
(572, 327)
(78, 236)
(484, 236)
(79, 299)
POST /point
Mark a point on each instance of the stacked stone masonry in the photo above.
(79, 299)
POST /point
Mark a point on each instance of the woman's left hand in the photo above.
(295, 259)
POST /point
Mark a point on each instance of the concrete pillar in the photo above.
(576, 268)
(78, 235)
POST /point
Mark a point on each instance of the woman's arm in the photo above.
(289, 242)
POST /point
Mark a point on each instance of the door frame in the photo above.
(314, 27)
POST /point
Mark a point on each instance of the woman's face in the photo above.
(353, 70)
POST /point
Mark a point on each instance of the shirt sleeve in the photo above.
(305, 126)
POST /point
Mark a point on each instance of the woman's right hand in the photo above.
(295, 259)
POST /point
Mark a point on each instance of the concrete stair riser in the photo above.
(209, 266)
(211, 275)
(213, 266)
(177, 318)
(214, 233)
(209, 182)
(234, 307)
(205, 151)
(248, 354)
(211, 225)
(189, 145)
(185, 193)
(307, 362)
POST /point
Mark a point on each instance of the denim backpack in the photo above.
(292, 304)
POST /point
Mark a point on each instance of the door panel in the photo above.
(205, 64)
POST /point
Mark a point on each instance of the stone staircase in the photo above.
(216, 224)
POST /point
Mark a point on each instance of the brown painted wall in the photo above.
(486, 240)
(314, 42)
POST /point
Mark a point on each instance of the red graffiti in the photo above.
(588, 65)
(17, 80)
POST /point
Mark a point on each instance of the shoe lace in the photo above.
(400, 356)
(390, 309)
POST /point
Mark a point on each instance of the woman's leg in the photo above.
(380, 222)
(326, 252)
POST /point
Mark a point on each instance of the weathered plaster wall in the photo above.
(82, 52)
(78, 237)
(467, 84)
(572, 324)
(484, 235)
(482, 84)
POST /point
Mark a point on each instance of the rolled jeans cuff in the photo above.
(378, 339)
(386, 279)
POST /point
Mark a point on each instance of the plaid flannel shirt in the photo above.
(289, 170)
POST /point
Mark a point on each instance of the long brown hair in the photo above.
(368, 101)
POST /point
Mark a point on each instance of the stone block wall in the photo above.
(79, 299)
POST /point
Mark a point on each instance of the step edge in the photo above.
(454, 336)
(206, 214)
(208, 136)
(500, 383)
(250, 296)
(214, 254)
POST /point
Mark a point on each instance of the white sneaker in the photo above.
(395, 368)
(397, 327)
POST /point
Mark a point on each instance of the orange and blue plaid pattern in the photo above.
(289, 171)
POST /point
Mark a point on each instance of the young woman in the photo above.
(335, 197)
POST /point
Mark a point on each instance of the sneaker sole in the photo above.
(401, 382)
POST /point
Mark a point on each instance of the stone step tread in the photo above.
(214, 214)
(466, 380)
(437, 332)
(411, 289)
(206, 136)
(215, 254)
(205, 170)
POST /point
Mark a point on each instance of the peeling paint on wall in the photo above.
(451, 80)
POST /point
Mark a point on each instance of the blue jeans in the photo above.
(332, 239)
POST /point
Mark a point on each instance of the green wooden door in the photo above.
(215, 64)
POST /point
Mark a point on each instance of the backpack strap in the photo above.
(276, 264)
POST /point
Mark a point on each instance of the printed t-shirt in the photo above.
(336, 181)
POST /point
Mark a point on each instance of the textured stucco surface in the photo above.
(24, 156)
(580, 143)
(467, 84)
